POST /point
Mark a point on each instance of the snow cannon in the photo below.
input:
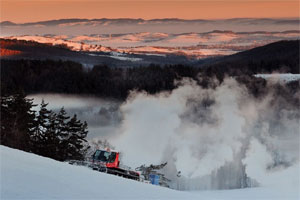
(154, 179)
(108, 161)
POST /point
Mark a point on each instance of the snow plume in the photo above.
(259, 164)
(219, 137)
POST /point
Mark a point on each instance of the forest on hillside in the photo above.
(36, 76)
(43, 132)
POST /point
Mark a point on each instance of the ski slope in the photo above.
(29, 176)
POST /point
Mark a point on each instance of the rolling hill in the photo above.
(43, 51)
(282, 57)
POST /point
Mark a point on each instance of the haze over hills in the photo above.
(192, 45)
(127, 25)
(279, 55)
(196, 39)
(21, 49)
(106, 21)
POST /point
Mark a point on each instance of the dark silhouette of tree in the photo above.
(77, 145)
(62, 133)
(39, 138)
(51, 142)
(47, 133)
(17, 121)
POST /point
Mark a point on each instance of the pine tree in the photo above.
(77, 144)
(6, 120)
(17, 121)
(47, 134)
(62, 134)
(39, 137)
(51, 145)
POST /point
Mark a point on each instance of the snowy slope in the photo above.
(28, 176)
(279, 77)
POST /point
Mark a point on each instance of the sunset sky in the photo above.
(21, 11)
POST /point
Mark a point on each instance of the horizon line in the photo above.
(151, 19)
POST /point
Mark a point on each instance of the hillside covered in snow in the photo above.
(28, 176)
(191, 44)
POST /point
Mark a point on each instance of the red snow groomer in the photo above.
(108, 161)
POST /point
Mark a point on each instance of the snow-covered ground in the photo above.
(198, 45)
(28, 176)
(279, 77)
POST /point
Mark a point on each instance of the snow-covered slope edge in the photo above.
(279, 77)
(29, 176)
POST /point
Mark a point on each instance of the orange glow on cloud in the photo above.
(39, 10)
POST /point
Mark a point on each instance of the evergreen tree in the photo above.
(51, 144)
(6, 119)
(77, 145)
(47, 134)
(62, 134)
(17, 121)
(39, 138)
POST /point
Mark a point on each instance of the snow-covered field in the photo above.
(198, 45)
(28, 176)
(279, 77)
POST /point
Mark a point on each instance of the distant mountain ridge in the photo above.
(293, 21)
(76, 26)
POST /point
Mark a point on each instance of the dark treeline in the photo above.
(35, 76)
(53, 135)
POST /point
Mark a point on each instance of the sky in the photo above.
(21, 11)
